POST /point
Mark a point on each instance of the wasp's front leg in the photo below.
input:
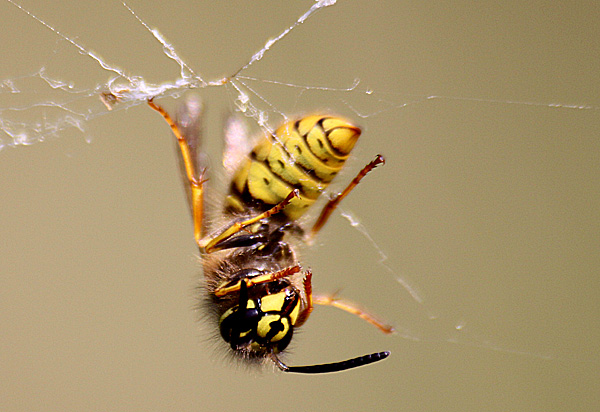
(212, 244)
(351, 307)
(256, 280)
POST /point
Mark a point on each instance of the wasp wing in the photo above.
(189, 121)
(237, 143)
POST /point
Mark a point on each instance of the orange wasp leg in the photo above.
(211, 244)
(351, 307)
(195, 181)
(257, 280)
(333, 203)
(309, 300)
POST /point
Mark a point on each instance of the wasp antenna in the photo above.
(331, 367)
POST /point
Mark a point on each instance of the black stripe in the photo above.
(247, 199)
(333, 149)
(305, 138)
(281, 179)
(309, 172)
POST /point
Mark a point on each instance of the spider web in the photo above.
(58, 106)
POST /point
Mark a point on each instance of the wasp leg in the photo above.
(211, 244)
(196, 182)
(351, 307)
(333, 203)
(309, 298)
(257, 280)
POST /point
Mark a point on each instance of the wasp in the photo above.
(255, 288)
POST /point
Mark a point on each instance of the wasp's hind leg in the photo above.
(333, 203)
(195, 181)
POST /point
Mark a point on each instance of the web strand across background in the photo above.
(486, 209)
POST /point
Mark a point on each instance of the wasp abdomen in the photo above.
(305, 155)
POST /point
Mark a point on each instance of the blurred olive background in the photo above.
(489, 208)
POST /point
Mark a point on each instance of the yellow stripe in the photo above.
(241, 176)
(273, 302)
(263, 185)
(301, 153)
(294, 314)
(321, 146)
(341, 134)
(282, 166)
(304, 155)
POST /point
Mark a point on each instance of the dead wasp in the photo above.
(255, 286)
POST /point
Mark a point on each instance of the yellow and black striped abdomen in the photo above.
(305, 154)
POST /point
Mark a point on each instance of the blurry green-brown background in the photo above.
(489, 208)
